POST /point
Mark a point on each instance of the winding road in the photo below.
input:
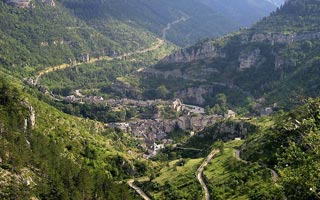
(275, 176)
(155, 46)
(138, 190)
(200, 172)
(169, 25)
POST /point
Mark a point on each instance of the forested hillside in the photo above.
(90, 99)
(235, 8)
(291, 147)
(44, 36)
(200, 20)
(46, 154)
(273, 62)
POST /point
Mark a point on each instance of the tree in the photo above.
(162, 92)
(221, 100)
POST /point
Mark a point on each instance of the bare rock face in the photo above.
(30, 122)
(32, 117)
(49, 2)
(249, 59)
(229, 130)
(27, 3)
(19, 3)
(206, 50)
(193, 95)
(284, 38)
(1, 129)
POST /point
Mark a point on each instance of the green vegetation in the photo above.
(230, 178)
(291, 146)
(155, 15)
(60, 156)
(100, 77)
(48, 154)
(176, 181)
(282, 71)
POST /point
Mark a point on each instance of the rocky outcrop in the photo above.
(249, 59)
(49, 2)
(32, 117)
(30, 122)
(27, 3)
(284, 38)
(194, 95)
(19, 3)
(229, 130)
(1, 129)
(281, 62)
(206, 50)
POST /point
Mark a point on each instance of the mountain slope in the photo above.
(291, 147)
(41, 36)
(216, 18)
(276, 57)
(46, 154)
(244, 12)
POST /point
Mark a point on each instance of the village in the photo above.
(154, 132)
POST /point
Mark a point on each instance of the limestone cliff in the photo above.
(194, 95)
(27, 3)
(19, 3)
(30, 121)
(49, 2)
(287, 38)
(249, 59)
(229, 130)
(202, 51)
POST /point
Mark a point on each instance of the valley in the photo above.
(159, 99)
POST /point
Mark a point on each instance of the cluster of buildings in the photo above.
(113, 102)
(88, 99)
(197, 123)
(154, 132)
(133, 103)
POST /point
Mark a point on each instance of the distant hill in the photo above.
(244, 13)
(38, 34)
(206, 18)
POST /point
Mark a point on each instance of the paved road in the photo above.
(168, 27)
(237, 156)
(200, 172)
(137, 189)
(275, 176)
